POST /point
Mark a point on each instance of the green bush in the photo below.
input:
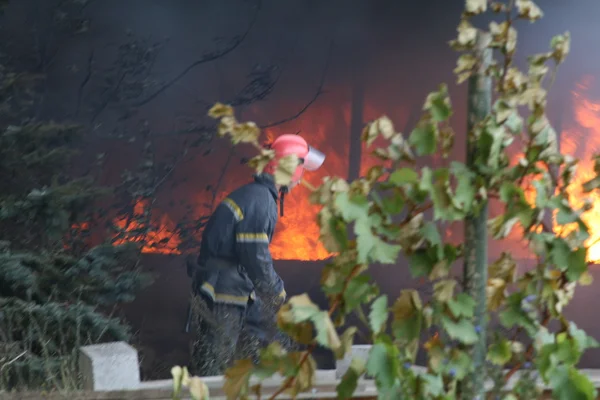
(56, 289)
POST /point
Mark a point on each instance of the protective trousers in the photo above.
(221, 337)
(225, 333)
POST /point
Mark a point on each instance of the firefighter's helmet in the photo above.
(310, 158)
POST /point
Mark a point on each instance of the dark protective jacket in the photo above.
(235, 261)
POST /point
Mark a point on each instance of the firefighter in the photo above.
(236, 289)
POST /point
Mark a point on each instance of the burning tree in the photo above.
(386, 210)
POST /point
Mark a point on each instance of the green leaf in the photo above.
(591, 185)
(345, 389)
(421, 263)
(379, 314)
(569, 384)
(490, 145)
(433, 385)
(430, 233)
(443, 290)
(514, 314)
(465, 190)
(351, 206)
(237, 378)
(392, 205)
(566, 215)
(423, 138)
(438, 104)
(476, 6)
(371, 247)
(286, 166)
(514, 123)
(303, 309)
(541, 196)
(347, 340)
(437, 184)
(403, 176)
(460, 364)
(577, 264)
(333, 232)
(382, 365)
(504, 268)
(501, 225)
(582, 339)
(461, 330)
(326, 333)
(500, 352)
(511, 192)
(408, 320)
(359, 291)
(462, 306)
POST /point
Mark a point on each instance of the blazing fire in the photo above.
(297, 234)
(583, 141)
(161, 239)
(580, 140)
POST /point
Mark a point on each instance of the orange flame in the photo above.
(160, 239)
(327, 128)
(582, 141)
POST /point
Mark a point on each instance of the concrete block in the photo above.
(360, 351)
(109, 366)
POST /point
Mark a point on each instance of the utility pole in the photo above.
(476, 241)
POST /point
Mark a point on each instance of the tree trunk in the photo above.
(476, 243)
(356, 119)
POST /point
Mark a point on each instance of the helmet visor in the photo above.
(314, 159)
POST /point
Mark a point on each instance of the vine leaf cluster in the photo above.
(386, 212)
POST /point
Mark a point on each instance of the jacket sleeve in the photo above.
(252, 246)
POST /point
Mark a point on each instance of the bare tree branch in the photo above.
(208, 57)
(312, 100)
(113, 94)
(209, 129)
(85, 81)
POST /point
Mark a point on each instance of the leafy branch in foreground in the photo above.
(386, 211)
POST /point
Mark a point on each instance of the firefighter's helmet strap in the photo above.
(282, 193)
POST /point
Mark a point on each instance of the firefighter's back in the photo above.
(221, 276)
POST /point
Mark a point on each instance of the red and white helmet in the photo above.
(310, 158)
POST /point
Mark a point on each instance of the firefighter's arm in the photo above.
(252, 245)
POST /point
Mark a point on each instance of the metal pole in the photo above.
(476, 243)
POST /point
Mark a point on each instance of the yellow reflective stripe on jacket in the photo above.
(208, 289)
(235, 209)
(252, 238)
(221, 297)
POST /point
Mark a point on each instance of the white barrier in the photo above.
(115, 366)
(109, 366)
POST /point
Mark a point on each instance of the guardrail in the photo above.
(114, 367)
(110, 371)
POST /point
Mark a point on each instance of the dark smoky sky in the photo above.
(402, 46)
